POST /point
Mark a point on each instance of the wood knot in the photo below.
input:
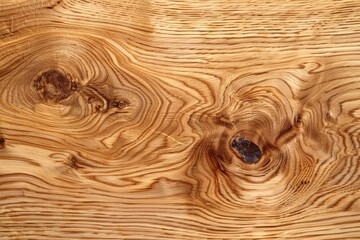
(74, 163)
(55, 86)
(54, 4)
(247, 151)
(298, 122)
(120, 104)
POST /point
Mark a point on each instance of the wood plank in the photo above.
(158, 119)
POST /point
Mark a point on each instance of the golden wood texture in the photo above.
(116, 119)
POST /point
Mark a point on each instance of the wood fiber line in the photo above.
(158, 119)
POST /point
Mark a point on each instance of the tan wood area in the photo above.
(129, 119)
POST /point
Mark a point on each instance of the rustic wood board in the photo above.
(118, 119)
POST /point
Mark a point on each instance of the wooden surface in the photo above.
(116, 119)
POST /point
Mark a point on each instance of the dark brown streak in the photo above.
(2, 142)
(286, 136)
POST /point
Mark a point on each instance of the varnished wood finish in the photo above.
(116, 119)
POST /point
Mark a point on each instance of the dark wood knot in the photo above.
(247, 151)
(54, 85)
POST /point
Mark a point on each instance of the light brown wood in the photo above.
(117, 119)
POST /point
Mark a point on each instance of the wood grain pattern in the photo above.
(116, 119)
